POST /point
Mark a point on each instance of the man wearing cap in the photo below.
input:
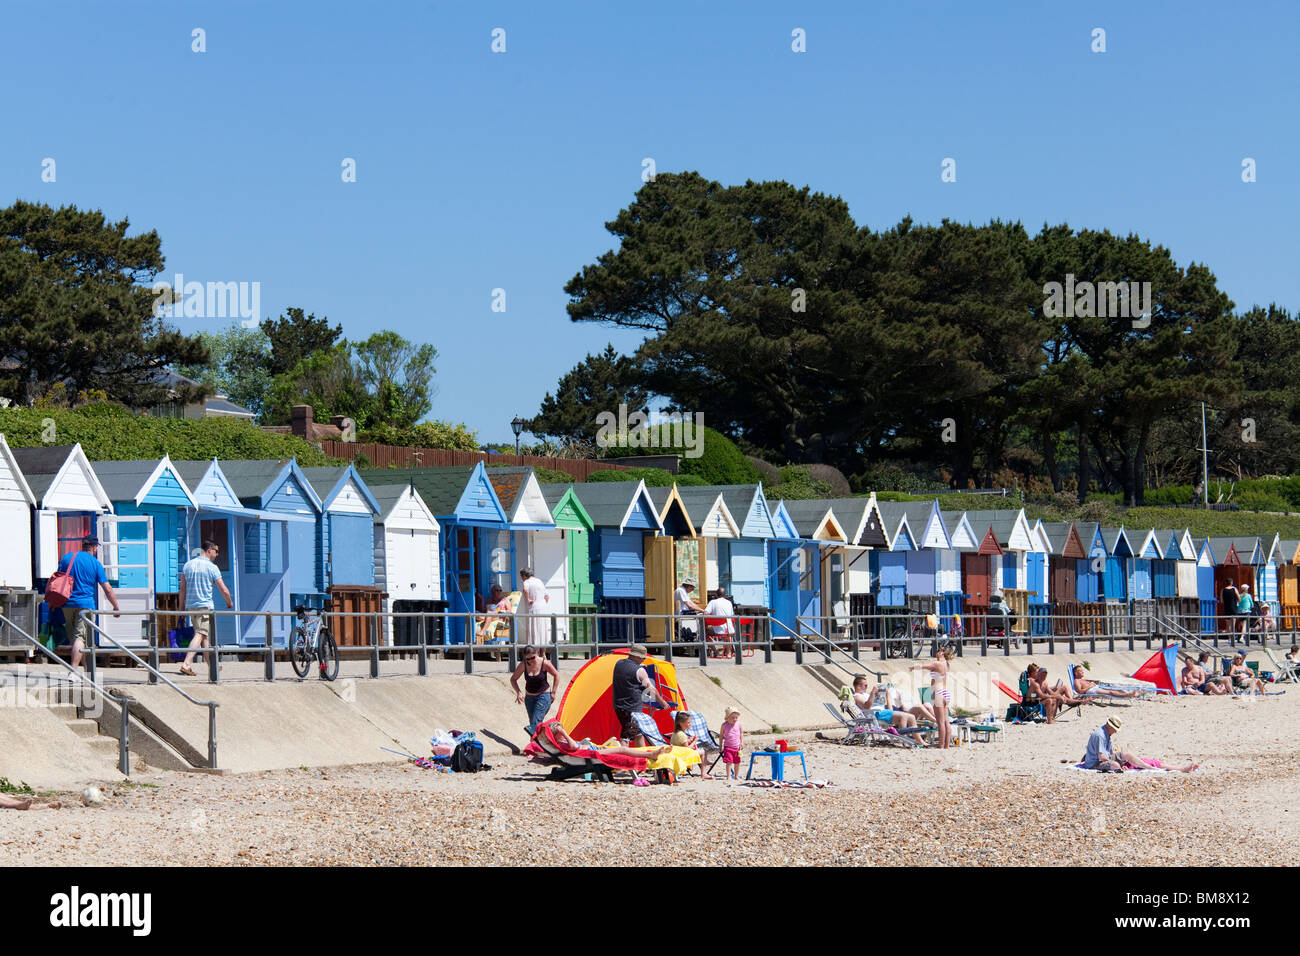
(686, 609)
(87, 572)
(630, 680)
(533, 603)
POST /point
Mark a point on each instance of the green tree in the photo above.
(294, 336)
(238, 366)
(327, 380)
(76, 308)
(599, 383)
(399, 374)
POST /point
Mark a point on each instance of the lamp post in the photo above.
(518, 425)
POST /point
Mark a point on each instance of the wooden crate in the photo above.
(354, 631)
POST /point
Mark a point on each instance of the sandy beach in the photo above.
(1012, 802)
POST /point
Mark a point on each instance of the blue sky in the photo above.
(478, 171)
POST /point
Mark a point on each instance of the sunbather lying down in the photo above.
(568, 743)
(1085, 687)
(676, 759)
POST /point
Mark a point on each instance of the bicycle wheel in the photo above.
(299, 652)
(329, 655)
(896, 643)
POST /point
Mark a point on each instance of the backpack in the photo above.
(59, 588)
(467, 757)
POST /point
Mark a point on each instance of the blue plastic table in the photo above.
(778, 762)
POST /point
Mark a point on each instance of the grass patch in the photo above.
(20, 788)
(776, 729)
(716, 680)
(138, 784)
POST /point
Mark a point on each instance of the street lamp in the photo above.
(518, 426)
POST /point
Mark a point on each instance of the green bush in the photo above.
(113, 433)
(423, 435)
(720, 461)
(1169, 495)
(796, 483)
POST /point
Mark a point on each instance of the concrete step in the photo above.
(63, 711)
(103, 745)
(83, 727)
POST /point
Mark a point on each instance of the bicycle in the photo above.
(311, 640)
(917, 634)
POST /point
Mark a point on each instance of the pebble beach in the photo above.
(1012, 802)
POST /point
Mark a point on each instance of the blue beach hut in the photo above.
(345, 547)
(254, 556)
(742, 561)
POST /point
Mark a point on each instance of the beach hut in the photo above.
(1173, 580)
(865, 529)
(1237, 561)
(1115, 580)
(280, 487)
(889, 564)
(1206, 568)
(1066, 554)
(979, 576)
(152, 547)
(345, 531)
(1288, 585)
(539, 543)
(742, 561)
(712, 520)
(254, 556)
(1140, 572)
(623, 517)
(478, 549)
(16, 504)
(670, 558)
(807, 579)
(70, 501)
(1272, 557)
(964, 541)
(1011, 575)
(571, 518)
(407, 544)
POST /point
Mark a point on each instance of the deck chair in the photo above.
(1284, 671)
(880, 731)
(1106, 699)
(578, 762)
(649, 729)
(1022, 707)
(1027, 698)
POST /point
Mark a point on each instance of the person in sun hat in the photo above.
(630, 680)
(686, 610)
(1102, 755)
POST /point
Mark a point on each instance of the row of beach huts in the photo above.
(437, 539)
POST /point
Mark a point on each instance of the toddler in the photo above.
(682, 737)
(733, 739)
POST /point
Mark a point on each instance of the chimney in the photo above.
(301, 421)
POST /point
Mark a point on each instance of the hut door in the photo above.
(126, 549)
(975, 577)
(550, 556)
(1064, 579)
(784, 587)
(659, 588)
(808, 566)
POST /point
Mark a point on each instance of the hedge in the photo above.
(112, 433)
(720, 461)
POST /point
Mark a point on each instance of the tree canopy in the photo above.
(77, 309)
(943, 349)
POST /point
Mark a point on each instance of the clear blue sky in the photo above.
(478, 170)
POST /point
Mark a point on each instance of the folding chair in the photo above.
(699, 729)
(1284, 671)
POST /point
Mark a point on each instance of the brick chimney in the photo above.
(301, 421)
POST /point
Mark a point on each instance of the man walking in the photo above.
(197, 578)
(87, 573)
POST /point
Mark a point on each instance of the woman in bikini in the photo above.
(940, 696)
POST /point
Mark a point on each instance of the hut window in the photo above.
(72, 528)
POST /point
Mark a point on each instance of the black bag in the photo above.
(467, 757)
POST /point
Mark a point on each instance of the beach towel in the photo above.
(787, 784)
(1127, 769)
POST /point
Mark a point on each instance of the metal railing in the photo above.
(824, 648)
(80, 683)
(155, 674)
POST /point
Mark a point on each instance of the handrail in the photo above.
(1187, 636)
(212, 705)
(123, 703)
(826, 654)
